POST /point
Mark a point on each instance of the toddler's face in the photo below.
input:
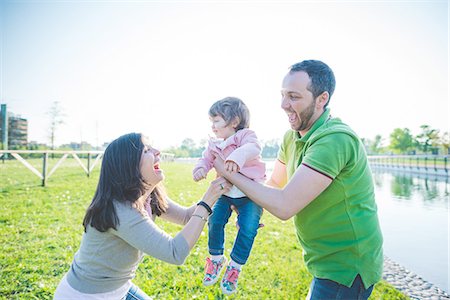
(220, 127)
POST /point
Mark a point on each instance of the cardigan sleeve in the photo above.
(206, 161)
(178, 214)
(249, 149)
(142, 233)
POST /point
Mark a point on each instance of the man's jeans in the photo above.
(328, 289)
(248, 220)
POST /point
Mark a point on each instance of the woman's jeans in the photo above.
(328, 289)
(248, 220)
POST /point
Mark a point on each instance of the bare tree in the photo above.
(56, 115)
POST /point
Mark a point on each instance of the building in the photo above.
(17, 131)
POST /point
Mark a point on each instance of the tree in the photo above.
(401, 140)
(427, 138)
(56, 118)
(445, 142)
(373, 146)
(270, 149)
(187, 144)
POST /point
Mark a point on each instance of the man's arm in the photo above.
(304, 187)
(278, 178)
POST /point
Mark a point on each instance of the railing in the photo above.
(45, 175)
(436, 164)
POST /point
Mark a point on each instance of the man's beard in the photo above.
(305, 116)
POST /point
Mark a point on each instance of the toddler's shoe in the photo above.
(229, 281)
(212, 270)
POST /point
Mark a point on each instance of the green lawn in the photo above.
(40, 230)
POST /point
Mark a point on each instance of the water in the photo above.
(414, 216)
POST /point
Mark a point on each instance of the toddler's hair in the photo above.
(229, 108)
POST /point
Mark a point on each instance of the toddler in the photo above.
(239, 147)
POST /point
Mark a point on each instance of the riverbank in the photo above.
(410, 284)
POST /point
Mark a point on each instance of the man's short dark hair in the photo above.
(321, 75)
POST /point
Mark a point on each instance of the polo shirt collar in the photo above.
(319, 122)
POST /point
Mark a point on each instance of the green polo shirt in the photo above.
(339, 230)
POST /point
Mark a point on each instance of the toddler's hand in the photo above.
(231, 166)
(199, 175)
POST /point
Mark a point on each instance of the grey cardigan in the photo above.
(107, 260)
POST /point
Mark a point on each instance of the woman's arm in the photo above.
(142, 233)
(178, 214)
(191, 232)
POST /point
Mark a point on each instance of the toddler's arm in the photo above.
(250, 149)
(204, 164)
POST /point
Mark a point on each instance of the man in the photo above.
(323, 180)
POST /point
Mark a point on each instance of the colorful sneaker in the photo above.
(229, 281)
(212, 270)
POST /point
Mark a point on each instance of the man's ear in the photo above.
(322, 99)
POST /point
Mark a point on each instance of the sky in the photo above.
(157, 66)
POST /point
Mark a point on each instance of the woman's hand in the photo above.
(217, 188)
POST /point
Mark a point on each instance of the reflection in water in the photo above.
(402, 186)
(414, 211)
(431, 189)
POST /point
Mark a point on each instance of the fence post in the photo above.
(89, 164)
(44, 168)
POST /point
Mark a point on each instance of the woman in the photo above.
(119, 224)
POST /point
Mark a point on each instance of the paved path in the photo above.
(409, 283)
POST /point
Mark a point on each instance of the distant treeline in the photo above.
(400, 141)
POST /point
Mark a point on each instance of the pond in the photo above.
(414, 217)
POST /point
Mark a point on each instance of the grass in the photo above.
(40, 231)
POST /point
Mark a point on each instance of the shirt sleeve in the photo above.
(178, 214)
(330, 154)
(141, 232)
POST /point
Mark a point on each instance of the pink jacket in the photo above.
(243, 148)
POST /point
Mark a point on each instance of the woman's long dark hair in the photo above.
(121, 180)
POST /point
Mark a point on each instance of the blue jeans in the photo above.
(248, 220)
(328, 289)
(135, 293)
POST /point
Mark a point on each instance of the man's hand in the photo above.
(231, 166)
(219, 165)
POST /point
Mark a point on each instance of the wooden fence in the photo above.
(92, 157)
